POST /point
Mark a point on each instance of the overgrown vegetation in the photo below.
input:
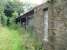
(12, 36)
(18, 39)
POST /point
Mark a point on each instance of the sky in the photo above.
(37, 2)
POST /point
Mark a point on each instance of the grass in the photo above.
(9, 39)
(16, 38)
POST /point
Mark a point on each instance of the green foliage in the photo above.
(9, 39)
(9, 10)
(17, 38)
(15, 7)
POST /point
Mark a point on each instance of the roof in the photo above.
(31, 12)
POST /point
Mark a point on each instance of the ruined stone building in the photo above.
(50, 24)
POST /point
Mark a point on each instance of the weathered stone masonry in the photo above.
(57, 24)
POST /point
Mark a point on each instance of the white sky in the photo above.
(37, 2)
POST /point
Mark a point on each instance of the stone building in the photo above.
(57, 25)
(50, 24)
(54, 32)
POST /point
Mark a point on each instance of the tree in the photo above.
(13, 9)
(2, 6)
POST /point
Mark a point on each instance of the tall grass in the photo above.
(17, 38)
(9, 39)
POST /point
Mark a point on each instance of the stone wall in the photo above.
(56, 25)
(65, 19)
(39, 22)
